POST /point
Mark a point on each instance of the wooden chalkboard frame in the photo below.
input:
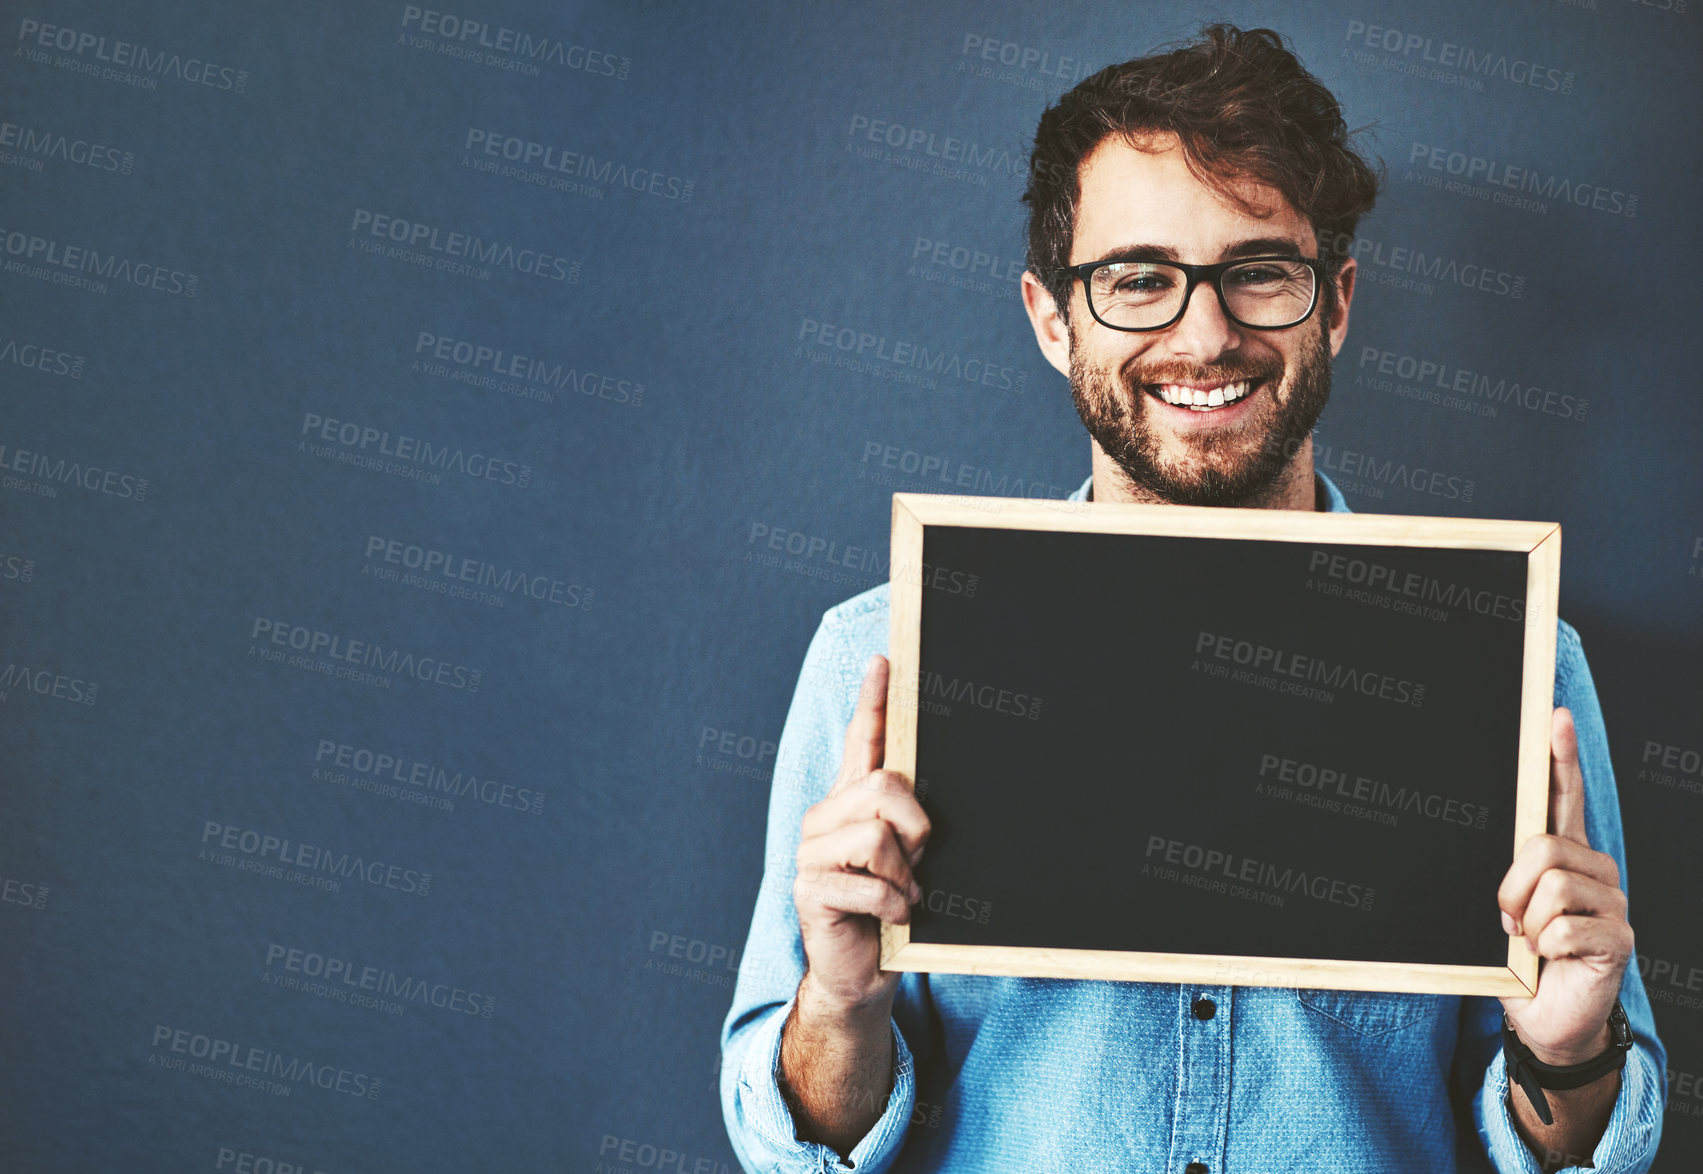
(1539, 541)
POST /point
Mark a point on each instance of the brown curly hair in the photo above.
(1240, 104)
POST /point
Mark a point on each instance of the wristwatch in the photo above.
(1534, 1075)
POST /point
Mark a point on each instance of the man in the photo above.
(1177, 205)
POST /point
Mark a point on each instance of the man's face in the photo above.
(1140, 205)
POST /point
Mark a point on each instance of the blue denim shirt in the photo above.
(997, 1074)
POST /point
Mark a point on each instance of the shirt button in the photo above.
(1195, 1168)
(1204, 1008)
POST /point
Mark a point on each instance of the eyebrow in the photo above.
(1264, 246)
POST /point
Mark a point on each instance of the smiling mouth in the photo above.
(1202, 399)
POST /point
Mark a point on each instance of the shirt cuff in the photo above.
(767, 1118)
(1627, 1143)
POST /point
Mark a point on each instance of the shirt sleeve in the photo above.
(807, 757)
(1628, 1143)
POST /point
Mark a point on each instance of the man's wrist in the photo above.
(1590, 1050)
(860, 1012)
(1585, 1077)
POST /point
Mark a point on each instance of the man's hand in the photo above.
(855, 855)
(1565, 898)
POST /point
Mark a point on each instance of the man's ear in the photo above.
(1338, 324)
(1052, 333)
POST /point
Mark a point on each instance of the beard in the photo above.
(1229, 467)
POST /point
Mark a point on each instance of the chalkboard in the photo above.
(1262, 747)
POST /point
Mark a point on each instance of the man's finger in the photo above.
(1579, 936)
(884, 795)
(1566, 780)
(850, 893)
(1560, 894)
(1542, 854)
(869, 847)
(866, 735)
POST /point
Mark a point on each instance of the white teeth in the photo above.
(1201, 400)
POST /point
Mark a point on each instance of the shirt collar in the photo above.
(1334, 502)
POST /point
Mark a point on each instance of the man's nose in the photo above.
(1203, 332)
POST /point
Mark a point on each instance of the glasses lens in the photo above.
(1268, 293)
(1137, 293)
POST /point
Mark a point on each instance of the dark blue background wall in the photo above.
(372, 496)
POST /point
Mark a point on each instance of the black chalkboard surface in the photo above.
(1167, 741)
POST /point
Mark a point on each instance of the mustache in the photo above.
(1139, 374)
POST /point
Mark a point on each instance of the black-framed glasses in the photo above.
(1261, 293)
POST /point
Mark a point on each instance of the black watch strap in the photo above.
(1534, 1075)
